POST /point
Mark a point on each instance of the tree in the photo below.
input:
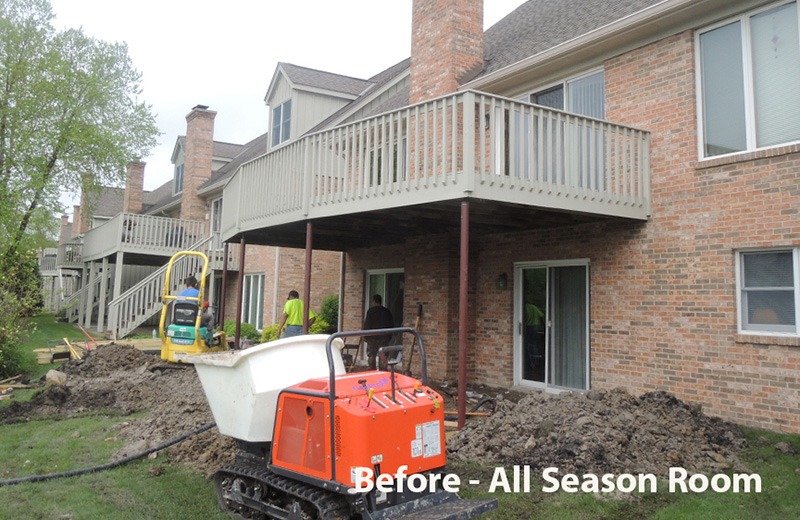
(70, 119)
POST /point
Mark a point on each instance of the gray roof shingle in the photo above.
(248, 151)
(538, 25)
(324, 80)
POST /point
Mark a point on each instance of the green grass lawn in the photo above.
(156, 489)
(140, 490)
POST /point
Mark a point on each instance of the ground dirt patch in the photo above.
(120, 379)
(598, 432)
(601, 432)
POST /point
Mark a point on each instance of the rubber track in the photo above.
(329, 506)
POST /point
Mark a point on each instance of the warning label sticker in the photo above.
(431, 439)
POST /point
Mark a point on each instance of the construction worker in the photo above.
(292, 323)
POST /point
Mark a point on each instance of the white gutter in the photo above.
(645, 26)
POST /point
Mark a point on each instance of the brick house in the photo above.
(577, 198)
(108, 270)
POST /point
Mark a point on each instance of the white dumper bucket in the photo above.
(242, 387)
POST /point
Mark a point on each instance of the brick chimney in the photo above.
(197, 160)
(132, 200)
(64, 232)
(446, 45)
(76, 220)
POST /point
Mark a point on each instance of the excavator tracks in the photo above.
(252, 492)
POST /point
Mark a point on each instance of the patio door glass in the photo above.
(552, 336)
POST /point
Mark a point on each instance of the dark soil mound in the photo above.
(601, 432)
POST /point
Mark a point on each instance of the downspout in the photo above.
(463, 315)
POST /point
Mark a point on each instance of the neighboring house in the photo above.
(139, 231)
(577, 198)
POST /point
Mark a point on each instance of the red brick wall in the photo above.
(325, 273)
(662, 292)
(446, 43)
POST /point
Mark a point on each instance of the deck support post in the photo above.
(307, 276)
(239, 296)
(463, 315)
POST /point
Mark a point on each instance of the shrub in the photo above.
(20, 296)
(320, 326)
(13, 358)
(246, 330)
(269, 333)
(330, 312)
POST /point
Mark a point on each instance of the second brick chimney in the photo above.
(446, 45)
(132, 200)
(198, 156)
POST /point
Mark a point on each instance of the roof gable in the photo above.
(303, 78)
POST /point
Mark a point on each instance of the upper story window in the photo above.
(749, 79)
(281, 122)
(584, 95)
(178, 186)
(769, 291)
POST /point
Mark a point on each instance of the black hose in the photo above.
(110, 465)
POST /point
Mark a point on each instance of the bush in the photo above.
(330, 312)
(19, 275)
(269, 333)
(20, 296)
(246, 331)
(320, 326)
(13, 358)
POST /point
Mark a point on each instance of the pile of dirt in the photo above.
(120, 379)
(601, 432)
(597, 432)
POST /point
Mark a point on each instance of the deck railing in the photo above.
(144, 234)
(143, 300)
(69, 255)
(72, 304)
(467, 144)
(47, 261)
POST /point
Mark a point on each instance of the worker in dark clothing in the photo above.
(378, 317)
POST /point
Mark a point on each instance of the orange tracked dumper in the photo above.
(368, 445)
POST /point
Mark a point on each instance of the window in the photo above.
(768, 285)
(253, 300)
(749, 76)
(584, 95)
(216, 224)
(281, 122)
(571, 150)
(178, 187)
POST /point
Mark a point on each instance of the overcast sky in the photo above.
(223, 54)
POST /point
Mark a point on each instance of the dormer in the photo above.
(300, 98)
(222, 155)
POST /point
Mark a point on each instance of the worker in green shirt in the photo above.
(292, 324)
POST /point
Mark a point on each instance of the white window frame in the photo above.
(775, 330)
(747, 70)
(178, 178)
(251, 308)
(216, 224)
(283, 127)
(564, 84)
